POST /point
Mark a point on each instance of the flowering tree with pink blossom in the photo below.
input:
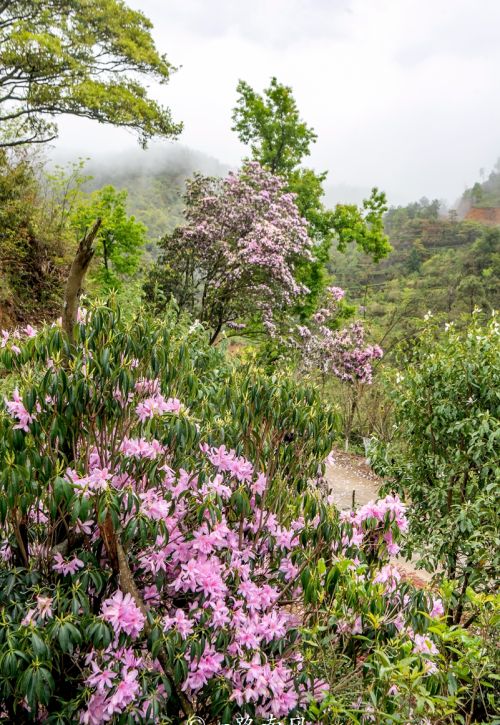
(233, 262)
(145, 573)
(340, 353)
(343, 353)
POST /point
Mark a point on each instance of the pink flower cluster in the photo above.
(123, 614)
(342, 353)
(218, 575)
(243, 236)
(66, 566)
(114, 677)
(18, 411)
(9, 339)
(229, 462)
(370, 520)
(157, 405)
(42, 610)
(230, 573)
(141, 448)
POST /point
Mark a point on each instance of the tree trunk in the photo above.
(79, 267)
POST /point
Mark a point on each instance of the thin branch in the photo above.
(25, 141)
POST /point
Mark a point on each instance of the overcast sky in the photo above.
(403, 94)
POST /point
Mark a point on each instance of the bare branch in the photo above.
(25, 141)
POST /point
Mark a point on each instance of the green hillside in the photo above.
(439, 264)
(484, 193)
(155, 182)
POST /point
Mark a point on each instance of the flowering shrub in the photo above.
(342, 353)
(234, 259)
(130, 554)
(149, 573)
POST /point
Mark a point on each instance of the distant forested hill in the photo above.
(155, 182)
(439, 264)
(483, 194)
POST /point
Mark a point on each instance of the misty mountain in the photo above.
(154, 178)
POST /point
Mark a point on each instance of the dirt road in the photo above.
(348, 476)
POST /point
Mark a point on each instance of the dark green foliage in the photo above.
(32, 250)
(486, 193)
(444, 454)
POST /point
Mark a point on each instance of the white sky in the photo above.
(403, 94)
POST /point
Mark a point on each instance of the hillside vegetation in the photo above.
(183, 349)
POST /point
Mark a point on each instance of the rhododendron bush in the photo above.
(343, 353)
(150, 572)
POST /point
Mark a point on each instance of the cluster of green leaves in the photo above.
(377, 676)
(120, 240)
(444, 454)
(85, 59)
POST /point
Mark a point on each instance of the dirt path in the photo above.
(350, 477)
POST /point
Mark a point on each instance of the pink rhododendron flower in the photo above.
(64, 566)
(29, 331)
(17, 410)
(437, 608)
(424, 645)
(44, 606)
(123, 614)
(157, 405)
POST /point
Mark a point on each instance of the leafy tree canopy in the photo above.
(271, 124)
(279, 140)
(78, 57)
(121, 237)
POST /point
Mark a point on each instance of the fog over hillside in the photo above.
(155, 178)
(399, 93)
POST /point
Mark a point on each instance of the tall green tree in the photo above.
(270, 123)
(85, 58)
(120, 240)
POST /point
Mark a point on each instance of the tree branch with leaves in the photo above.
(85, 59)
